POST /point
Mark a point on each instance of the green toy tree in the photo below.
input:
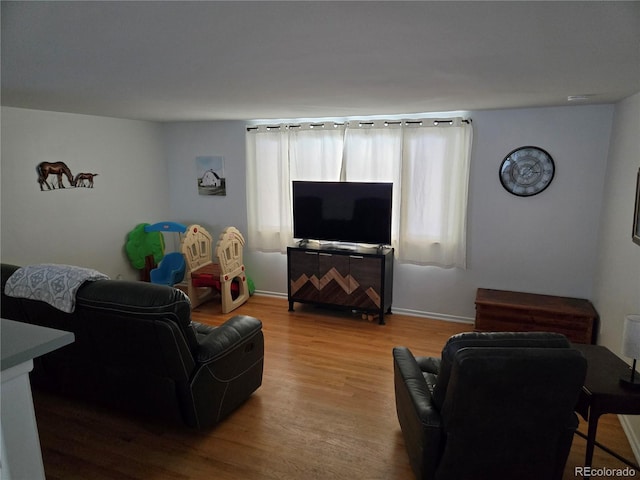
(144, 249)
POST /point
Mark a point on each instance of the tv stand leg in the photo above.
(291, 306)
(382, 314)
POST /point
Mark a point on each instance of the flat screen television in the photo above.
(351, 212)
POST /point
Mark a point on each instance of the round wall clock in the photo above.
(527, 171)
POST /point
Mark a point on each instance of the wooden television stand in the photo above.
(504, 311)
(359, 279)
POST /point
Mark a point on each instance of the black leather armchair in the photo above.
(494, 406)
(137, 349)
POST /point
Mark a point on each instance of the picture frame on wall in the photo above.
(636, 212)
(211, 178)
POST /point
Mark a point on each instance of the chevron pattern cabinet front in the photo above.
(360, 279)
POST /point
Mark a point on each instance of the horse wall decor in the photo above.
(60, 169)
(81, 177)
(44, 169)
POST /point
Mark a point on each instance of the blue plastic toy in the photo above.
(172, 268)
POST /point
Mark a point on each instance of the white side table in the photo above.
(20, 344)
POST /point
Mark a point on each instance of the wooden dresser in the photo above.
(504, 311)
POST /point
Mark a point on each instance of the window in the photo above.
(428, 163)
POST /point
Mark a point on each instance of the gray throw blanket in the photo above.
(55, 284)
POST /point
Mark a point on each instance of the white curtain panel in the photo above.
(373, 153)
(435, 189)
(315, 152)
(268, 195)
(428, 164)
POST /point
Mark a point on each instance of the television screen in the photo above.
(354, 212)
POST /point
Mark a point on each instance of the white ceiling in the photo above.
(171, 60)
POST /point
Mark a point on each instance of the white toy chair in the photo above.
(204, 277)
(229, 254)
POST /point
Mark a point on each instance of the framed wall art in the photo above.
(211, 179)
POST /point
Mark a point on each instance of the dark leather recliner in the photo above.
(136, 348)
(494, 406)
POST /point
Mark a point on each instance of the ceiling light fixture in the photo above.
(578, 98)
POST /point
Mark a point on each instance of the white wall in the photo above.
(183, 142)
(617, 279)
(79, 226)
(542, 244)
(546, 243)
(617, 285)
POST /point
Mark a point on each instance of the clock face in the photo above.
(527, 171)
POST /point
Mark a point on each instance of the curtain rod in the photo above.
(435, 121)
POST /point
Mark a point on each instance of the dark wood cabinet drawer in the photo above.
(366, 280)
(333, 279)
(500, 310)
(303, 280)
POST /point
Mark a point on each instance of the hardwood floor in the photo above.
(326, 410)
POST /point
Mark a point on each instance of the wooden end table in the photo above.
(602, 394)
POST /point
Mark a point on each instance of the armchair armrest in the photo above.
(429, 364)
(226, 337)
(229, 365)
(409, 376)
(419, 419)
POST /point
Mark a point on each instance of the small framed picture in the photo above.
(211, 179)
(636, 213)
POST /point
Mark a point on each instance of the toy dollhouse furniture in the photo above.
(204, 277)
(495, 406)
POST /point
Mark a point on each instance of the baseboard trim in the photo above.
(403, 311)
(266, 293)
(631, 436)
(434, 316)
